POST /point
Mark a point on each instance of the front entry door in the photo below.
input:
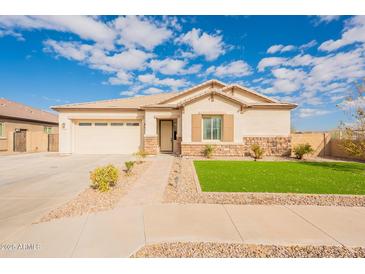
(166, 135)
(20, 140)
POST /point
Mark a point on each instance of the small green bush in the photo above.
(302, 149)
(208, 151)
(258, 152)
(140, 155)
(129, 165)
(102, 178)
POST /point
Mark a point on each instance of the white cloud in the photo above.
(270, 62)
(97, 58)
(130, 59)
(69, 50)
(308, 45)
(202, 43)
(140, 31)
(170, 66)
(325, 19)
(233, 69)
(280, 48)
(15, 34)
(151, 79)
(285, 86)
(310, 112)
(85, 27)
(153, 90)
(353, 33)
(121, 78)
(291, 74)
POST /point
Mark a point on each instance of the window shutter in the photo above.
(196, 127)
(228, 131)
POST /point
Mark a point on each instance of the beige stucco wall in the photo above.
(206, 106)
(37, 140)
(265, 122)
(152, 116)
(320, 142)
(249, 122)
(67, 120)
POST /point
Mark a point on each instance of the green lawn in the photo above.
(284, 177)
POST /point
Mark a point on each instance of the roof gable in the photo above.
(211, 93)
(257, 97)
(211, 84)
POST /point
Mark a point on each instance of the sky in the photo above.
(312, 61)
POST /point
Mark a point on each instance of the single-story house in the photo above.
(25, 129)
(229, 117)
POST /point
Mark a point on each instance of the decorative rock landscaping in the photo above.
(229, 250)
(92, 200)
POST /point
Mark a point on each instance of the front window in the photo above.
(47, 130)
(212, 128)
(2, 130)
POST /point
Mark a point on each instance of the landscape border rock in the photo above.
(235, 250)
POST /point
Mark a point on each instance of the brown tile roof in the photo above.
(162, 99)
(132, 102)
(19, 111)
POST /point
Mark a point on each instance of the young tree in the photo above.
(354, 105)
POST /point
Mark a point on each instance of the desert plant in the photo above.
(354, 106)
(140, 155)
(208, 151)
(302, 149)
(102, 178)
(258, 152)
(129, 165)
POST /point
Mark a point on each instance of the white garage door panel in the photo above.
(107, 139)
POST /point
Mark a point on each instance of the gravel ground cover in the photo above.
(228, 250)
(183, 188)
(91, 200)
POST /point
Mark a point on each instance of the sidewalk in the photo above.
(121, 232)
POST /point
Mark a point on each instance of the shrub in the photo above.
(302, 149)
(258, 152)
(208, 151)
(140, 155)
(102, 178)
(129, 165)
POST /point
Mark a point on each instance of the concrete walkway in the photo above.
(120, 232)
(150, 187)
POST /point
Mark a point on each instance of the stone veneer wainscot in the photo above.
(151, 145)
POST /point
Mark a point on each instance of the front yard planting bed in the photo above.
(92, 200)
(281, 177)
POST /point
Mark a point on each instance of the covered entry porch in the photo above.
(162, 132)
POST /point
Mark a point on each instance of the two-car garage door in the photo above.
(107, 137)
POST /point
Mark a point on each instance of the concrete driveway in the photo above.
(33, 184)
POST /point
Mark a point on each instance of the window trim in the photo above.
(211, 131)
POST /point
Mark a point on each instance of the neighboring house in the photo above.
(230, 117)
(23, 128)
